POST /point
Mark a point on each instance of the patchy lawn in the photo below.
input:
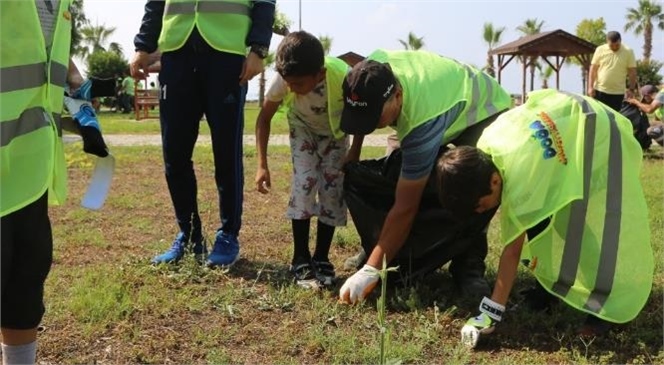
(106, 304)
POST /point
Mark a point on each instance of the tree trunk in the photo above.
(647, 43)
(261, 90)
(490, 66)
(584, 80)
(532, 74)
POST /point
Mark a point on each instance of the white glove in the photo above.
(359, 285)
(483, 324)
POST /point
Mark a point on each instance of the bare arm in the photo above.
(507, 268)
(355, 149)
(632, 78)
(646, 108)
(399, 220)
(592, 77)
(74, 78)
(262, 137)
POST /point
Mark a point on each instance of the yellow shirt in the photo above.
(613, 68)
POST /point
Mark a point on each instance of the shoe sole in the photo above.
(223, 266)
(309, 284)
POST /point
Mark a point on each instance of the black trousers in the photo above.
(195, 80)
(27, 253)
(613, 101)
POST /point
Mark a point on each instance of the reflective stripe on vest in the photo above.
(206, 7)
(35, 58)
(29, 121)
(471, 114)
(224, 25)
(577, 219)
(610, 236)
(29, 76)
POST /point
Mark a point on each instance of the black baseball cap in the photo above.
(366, 88)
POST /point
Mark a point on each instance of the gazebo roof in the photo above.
(552, 43)
(351, 58)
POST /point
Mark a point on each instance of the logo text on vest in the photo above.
(546, 132)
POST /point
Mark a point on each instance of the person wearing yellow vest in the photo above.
(564, 169)
(309, 84)
(430, 101)
(209, 51)
(35, 70)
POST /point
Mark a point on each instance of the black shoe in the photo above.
(538, 299)
(305, 276)
(473, 288)
(594, 327)
(324, 272)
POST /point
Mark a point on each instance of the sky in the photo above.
(449, 28)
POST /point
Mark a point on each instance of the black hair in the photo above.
(464, 176)
(299, 54)
(613, 36)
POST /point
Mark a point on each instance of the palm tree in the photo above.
(642, 20)
(78, 20)
(545, 74)
(491, 36)
(413, 43)
(281, 23)
(94, 38)
(116, 48)
(594, 31)
(326, 41)
(531, 27)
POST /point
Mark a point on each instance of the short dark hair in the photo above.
(613, 36)
(299, 54)
(463, 176)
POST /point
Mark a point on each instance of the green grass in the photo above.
(118, 123)
(106, 304)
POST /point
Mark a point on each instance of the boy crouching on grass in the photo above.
(309, 83)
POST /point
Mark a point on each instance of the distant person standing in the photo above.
(611, 64)
(127, 93)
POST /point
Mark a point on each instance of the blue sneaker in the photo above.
(226, 250)
(200, 250)
(175, 253)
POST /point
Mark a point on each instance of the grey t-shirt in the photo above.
(420, 147)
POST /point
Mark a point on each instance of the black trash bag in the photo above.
(436, 236)
(639, 121)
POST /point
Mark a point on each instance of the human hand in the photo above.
(253, 65)
(591, 92)
(474, 328)
(483, 324)
(140, 64)
(263, 181)
(359, 285)
(84, 115)
(632, 101)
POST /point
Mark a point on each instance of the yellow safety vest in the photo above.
(32, 81)
(433, 84)
(224, 24)
(573, 159)
(336, 70)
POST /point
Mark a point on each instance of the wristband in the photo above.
(492, 309)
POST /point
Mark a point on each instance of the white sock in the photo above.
(20, 354)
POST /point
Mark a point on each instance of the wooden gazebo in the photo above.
(558, 43)
(351, 58)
